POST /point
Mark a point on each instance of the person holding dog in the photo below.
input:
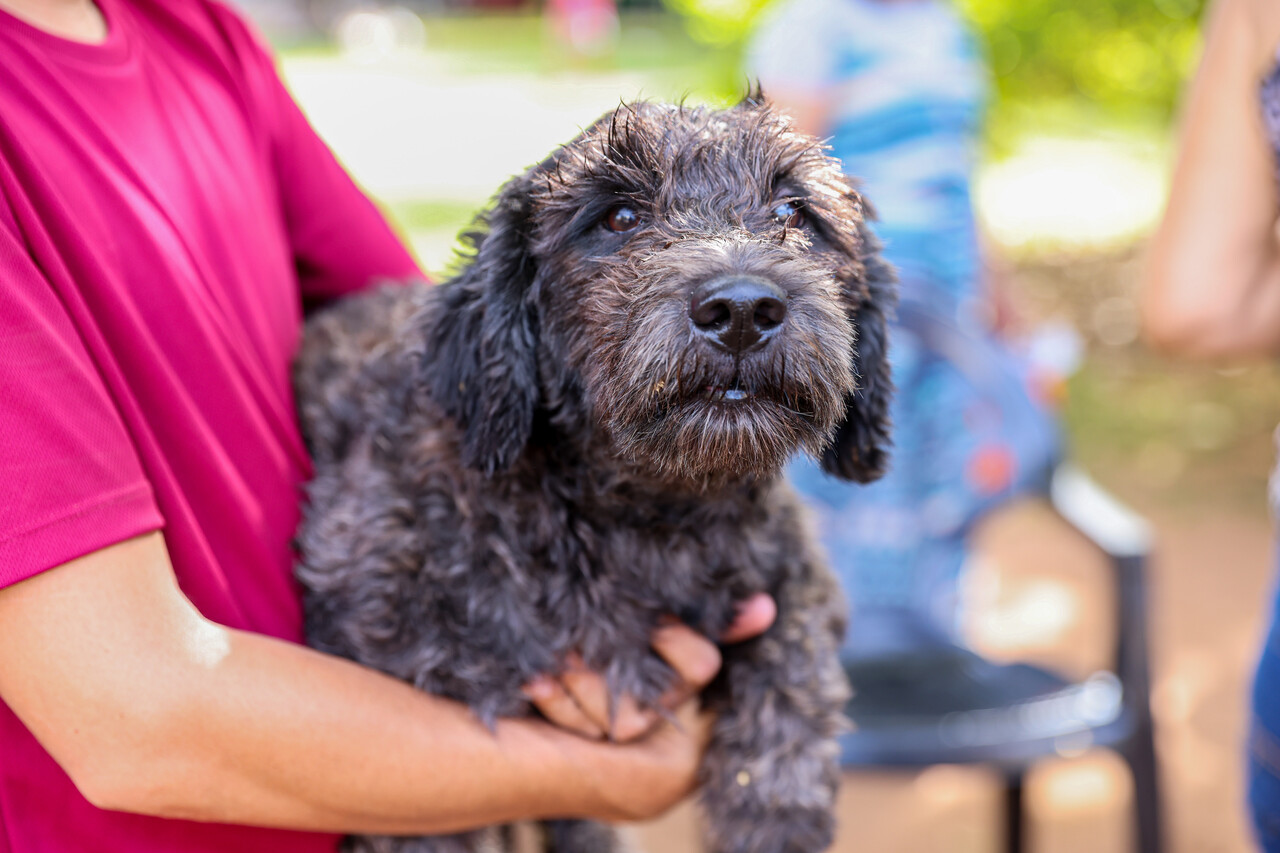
(165, 213)
(1211, 287)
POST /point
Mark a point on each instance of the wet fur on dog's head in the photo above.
(560, 319)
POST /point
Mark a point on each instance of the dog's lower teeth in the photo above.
(731, 394)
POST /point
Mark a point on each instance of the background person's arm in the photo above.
(1212, 283)
(150, 708)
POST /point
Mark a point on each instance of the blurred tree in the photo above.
(720, 23)
(1120, 54)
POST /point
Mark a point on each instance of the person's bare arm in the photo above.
(151, 708)
(1212, 283)
(809, 109)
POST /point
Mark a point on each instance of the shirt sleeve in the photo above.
(341, 241)
(70, 479)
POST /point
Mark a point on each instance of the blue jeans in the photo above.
(1264, 742)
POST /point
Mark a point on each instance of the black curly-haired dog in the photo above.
(584, 430)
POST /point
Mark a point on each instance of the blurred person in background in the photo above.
(1212, 280)
(897, 87)
(165, 212)
(584, 28)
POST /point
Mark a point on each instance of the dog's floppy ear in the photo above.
(480, 346)
(860, 448)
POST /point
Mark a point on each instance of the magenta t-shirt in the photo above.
(164, 211)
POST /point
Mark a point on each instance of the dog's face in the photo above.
(699, 283)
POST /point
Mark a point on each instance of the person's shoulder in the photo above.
(1265, 17)
(808, 11)
(806, 25)
(1263, 13)
(1253, 26)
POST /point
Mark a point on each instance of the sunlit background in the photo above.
(432, 104)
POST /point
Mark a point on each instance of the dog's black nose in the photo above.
(738, 312)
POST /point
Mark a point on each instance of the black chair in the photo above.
(922, 700)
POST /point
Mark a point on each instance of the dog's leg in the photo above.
(488, 840)
(581, 836)
(771, 772)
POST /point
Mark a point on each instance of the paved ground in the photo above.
(410, 129)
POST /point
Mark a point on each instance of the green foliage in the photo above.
(722, 23)
(1125, 56)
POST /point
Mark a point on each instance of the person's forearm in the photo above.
(256, 736)
(151, 708)
(809, 110)
(1231, 314)
(1210, 283)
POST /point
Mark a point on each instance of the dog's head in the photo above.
(698, 284)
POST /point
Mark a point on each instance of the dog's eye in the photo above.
(621, 219)
(790, 214)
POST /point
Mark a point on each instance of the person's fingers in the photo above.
(578, 700)
(632, 722)
(643, 779)
(550, 697)
(591, 693)
(755, 615)
(588, 690)
(695, 659)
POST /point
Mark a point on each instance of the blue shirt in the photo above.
(905, 87)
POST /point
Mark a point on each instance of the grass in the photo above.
(432, 215)
(522, 42)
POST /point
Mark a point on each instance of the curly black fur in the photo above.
(541, 455)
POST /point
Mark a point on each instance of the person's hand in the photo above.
(643, 779)
(578, 700)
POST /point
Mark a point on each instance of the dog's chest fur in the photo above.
(468, 585)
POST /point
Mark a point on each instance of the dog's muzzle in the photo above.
(738, 313)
